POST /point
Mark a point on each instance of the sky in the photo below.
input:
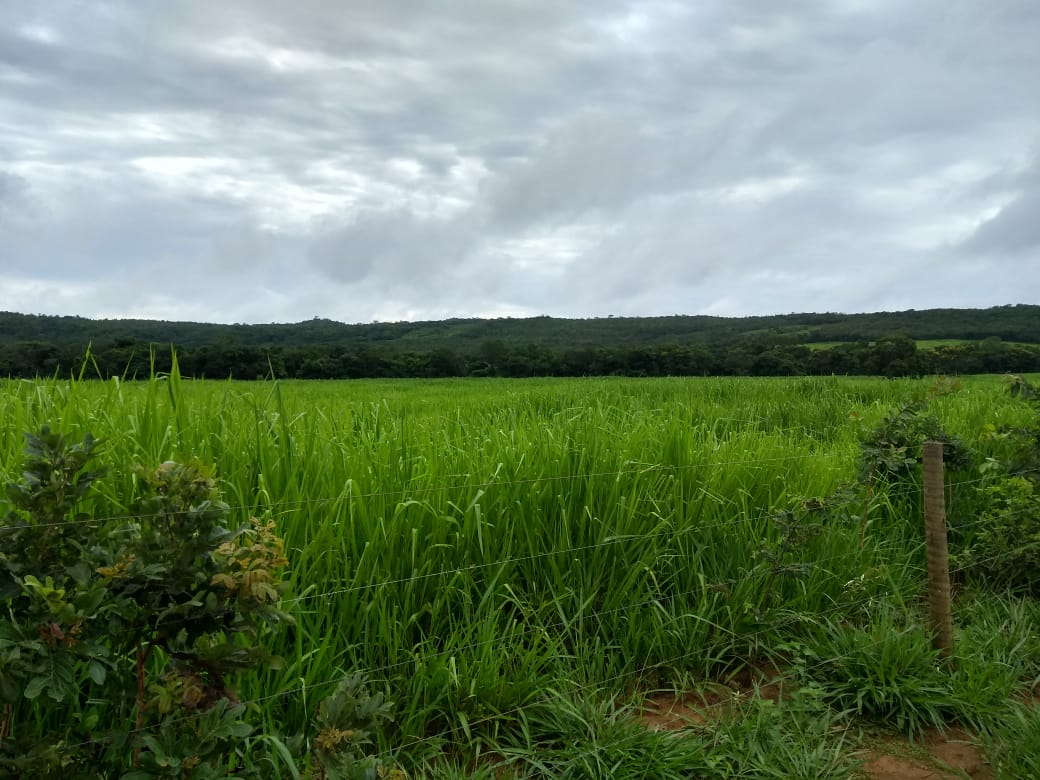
(360, 160)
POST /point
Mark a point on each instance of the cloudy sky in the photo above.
(273, 161)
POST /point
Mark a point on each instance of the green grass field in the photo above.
(519, 564)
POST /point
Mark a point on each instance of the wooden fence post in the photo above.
(937, 550)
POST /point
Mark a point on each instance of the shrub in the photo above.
(1004, 549)
(120, 637)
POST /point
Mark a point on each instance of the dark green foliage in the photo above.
(136, 621)
(1003, 548)
(120, 637)
(877, 344)
(47, 533)
(1025, 460)
(1008, 323)
(890, 465)
(202, 746)
(893, 449)
(345, 723)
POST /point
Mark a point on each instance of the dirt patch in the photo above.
(763, 681)
(949, 756)
(671, 711)
(668, 712)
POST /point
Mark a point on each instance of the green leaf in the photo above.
(155, 748)
(35, 687)
(97, 672)
(240, 729)
(80, 572)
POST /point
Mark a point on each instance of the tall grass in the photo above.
(482, 548)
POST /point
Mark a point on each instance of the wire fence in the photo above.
(560, 626)
(286, 507)
(599, 684)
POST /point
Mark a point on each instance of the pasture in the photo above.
(519, 565)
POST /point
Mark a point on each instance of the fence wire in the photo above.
(562, 625)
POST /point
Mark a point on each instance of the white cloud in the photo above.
(265, 161)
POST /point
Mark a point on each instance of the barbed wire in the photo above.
(564, 624)
(454, 651)
(420, 491)
(501, 563)
(599, 683)
(700, 711)
(696, 528)
(348, 494)
(753, 637)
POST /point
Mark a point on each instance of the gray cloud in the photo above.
(15, 200)
(260, 161)
(1014, 229)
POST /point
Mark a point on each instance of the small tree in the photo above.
(1004, 550)
(138, 620)
(119, 637)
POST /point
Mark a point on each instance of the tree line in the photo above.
(1019, 323)
(893, 356)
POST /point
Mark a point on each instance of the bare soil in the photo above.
(952, 755)
(937, 756)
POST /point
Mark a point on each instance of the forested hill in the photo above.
(782, 344)
(1010, 323)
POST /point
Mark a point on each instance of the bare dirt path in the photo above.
(949, 756)
(952, 755)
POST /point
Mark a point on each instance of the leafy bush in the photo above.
(119, 637)
(1003, 549)
(148, 614)
(346, 721)
(892, 450)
